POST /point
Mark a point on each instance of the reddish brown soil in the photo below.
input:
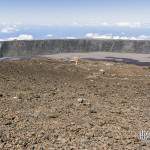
(51, 104)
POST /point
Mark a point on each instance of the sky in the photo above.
(74, 12)
(42, 19)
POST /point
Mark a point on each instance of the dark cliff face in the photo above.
(31, 48)
(1, 54)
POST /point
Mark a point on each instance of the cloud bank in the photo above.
(21, 37)
(110, 36)
(5, 28)
(49, 35)
(122, 24)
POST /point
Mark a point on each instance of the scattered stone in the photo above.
(3, 137)
(8, 123)
(108, 64)
(53, 115)
(81, 100)
(102, 71)
(15, 97)
(93, 110)
(87, 104)
(125, 128)
(20, 96)
(143, 144)
(37, 96)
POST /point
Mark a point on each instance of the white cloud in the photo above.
(91, 23)
(112, 24)
(21, 37)
(97, 36)
(144, 37)
(110, 36)
(116, 37)
(90, 35)
(9, 29)
(105, 24)
(70, 37)
(49, 35)
(75, 23)
(128, 24)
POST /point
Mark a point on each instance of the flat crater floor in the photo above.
(55, 104)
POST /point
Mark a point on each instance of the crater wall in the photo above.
(44, 47)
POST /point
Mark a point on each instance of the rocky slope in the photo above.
(51, 104)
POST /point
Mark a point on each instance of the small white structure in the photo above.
(76, 60)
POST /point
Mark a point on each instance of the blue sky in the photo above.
(73, 12)
(42, 19)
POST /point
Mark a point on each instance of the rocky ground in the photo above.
(50, 104)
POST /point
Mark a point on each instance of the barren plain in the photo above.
(49, 104)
